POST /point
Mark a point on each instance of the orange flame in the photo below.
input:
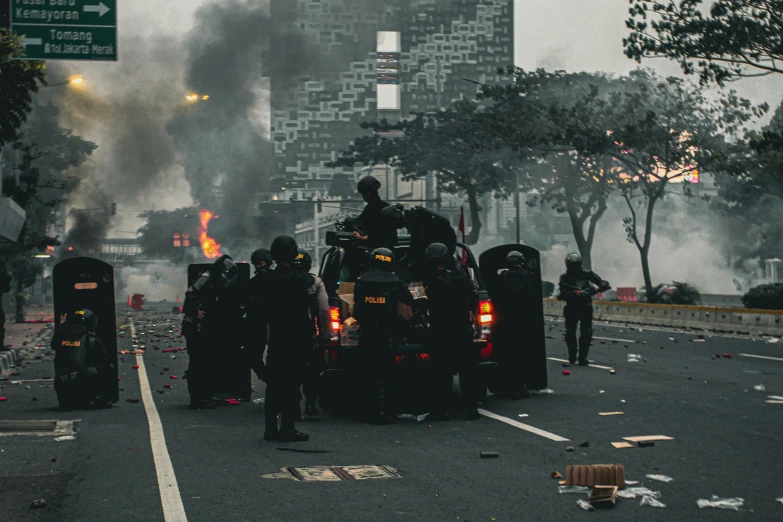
(209, 246)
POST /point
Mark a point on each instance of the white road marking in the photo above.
(590, 366)
(526, 427)
(612, 339)
(761, 357)
(170, 498)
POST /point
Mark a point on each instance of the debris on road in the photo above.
(606, 413)
(556, 475)
(612, 372)
(585, 505)
(760, 387)
(545, 391)
(773, 341)
(621, 445)
(727, 355)
(597, 474)
(721, 503)
(603, 496)
(634, 358)
(773, 402)
(570, 448)
(660, 478)
(134, 401)
(645, 444)
(37, 504)
(573, 489)
(638, 492)
(523, 415)
(585, 444)
(489, 454)
(650, 501)
(566, 372)
(65, 437)
(645, 438)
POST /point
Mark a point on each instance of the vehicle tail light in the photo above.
(423, 356)
(333, 355)
(334, 316)
(486, 351)
(399, 359)
(485, 311)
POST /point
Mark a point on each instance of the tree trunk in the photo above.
(475, 221)
(648, 286)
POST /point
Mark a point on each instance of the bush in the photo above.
(547, 288)
(765, 297)
(676, 293)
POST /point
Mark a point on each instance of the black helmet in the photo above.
(227, 270)
(84, 317)
(284, 249)
(394, 214)
(515, 258)
(382, 259)
(262, 255)
(303, 261)
(368, 184)
(438, 253)
(573, 259)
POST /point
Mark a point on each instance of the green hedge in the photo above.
(765, 297)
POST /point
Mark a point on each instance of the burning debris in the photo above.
(209, 246)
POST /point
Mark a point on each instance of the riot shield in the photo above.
(231, 364)
(511, 333)
(84, 282)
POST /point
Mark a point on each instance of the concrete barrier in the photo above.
(723, 320)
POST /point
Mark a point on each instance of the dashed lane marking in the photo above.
(522, 426)
(170, 498)
(590, 366)
(761, 357)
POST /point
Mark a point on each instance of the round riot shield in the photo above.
(518, 330)
(231, 363)
(85, 282)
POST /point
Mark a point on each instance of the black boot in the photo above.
(584, 362)
(473, 413)
(270, 423)
(201, 404)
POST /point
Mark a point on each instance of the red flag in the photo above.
(461, 228)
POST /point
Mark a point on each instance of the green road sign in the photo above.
(66, 29)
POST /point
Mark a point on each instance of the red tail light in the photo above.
(333, 355)
(334, 315)
(485, 311)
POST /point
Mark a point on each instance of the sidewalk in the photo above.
(18, 337)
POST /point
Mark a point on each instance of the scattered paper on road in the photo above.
(647, 438)
(773, 402)
(605, 413)
(621, 445)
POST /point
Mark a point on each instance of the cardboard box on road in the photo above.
(603, 496)
(596, 475)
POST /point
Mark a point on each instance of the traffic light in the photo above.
(113, 208)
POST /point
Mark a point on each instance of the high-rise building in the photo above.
(384, 59)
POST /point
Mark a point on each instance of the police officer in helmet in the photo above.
(376, 296)
(514, 315)
(261, 260)
(82, 366)
(577, 290)
(284, 302)
(374, 231)
(451, 298)
(255, 343)
(318, 302)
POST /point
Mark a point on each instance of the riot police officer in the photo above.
(213, 322)
(514, 315)
(81, 363)
(377, 232)
(376, 296)
(261, 260)
(577, 290)
(282, 293)
(318, 302)
(450, 298)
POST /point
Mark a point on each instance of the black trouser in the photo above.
(79, 388)
(313, 367)
(201, 361)
(376, 366)
(2, 325)
(282, 396)
(582, 314)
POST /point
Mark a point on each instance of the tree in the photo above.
(735, 38)
(536, 116)
(18, 81)
(157, 235)
(447, 143)
(48, 153)
(665, 133)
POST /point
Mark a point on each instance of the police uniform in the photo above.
(576, 289)
(376, 297)
(450, 299)
(514, 316)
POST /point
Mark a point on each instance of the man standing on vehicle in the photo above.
(377, 232)
(577, 290)
(450, 298)
(318, 302)
(282, 294)
(514, 316)
(376, 296)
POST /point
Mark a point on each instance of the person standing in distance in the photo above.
(282, 293)
(255, 343)
(450, 298)
(318, 301)
(379, 232)
(577, 290)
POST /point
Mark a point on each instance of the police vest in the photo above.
(71, 346)
(375, 300)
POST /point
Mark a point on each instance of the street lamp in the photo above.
(76, 80)
(196, 97)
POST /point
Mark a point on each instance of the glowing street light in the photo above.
(196, 97)
(76, 80)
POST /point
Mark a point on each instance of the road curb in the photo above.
(8, 359)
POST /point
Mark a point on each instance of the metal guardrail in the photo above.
(709, 318)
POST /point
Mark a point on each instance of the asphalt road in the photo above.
(726, 442)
